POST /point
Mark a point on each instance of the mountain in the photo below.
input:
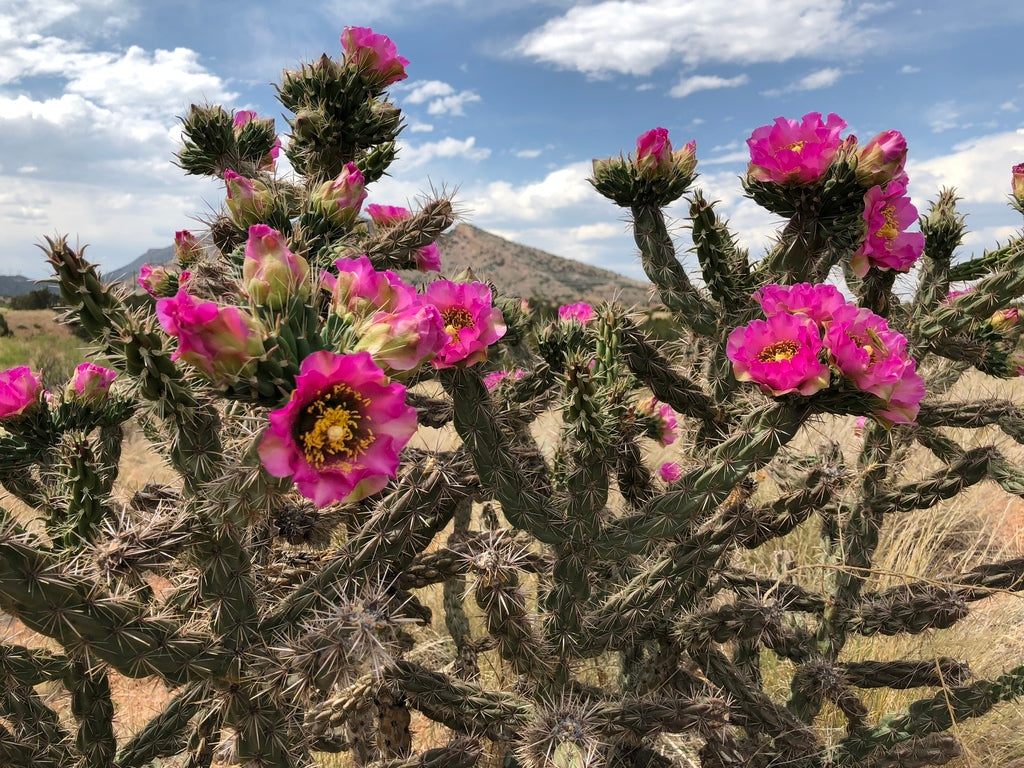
(517, 270)
(129, 272)
(16, 285)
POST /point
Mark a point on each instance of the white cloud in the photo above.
(528, 154)
(440, 97)
(689, 85)
(943, 116)
(1009, 106)
(733, 158)
(822, 78)
(421, 127)
(413, 156)
(908, 69)
(651, 33)
(979, 169)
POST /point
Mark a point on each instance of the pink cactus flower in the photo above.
(653, 151)
(780, 354)
(402, 341)
(494, 378)
(374, 56)
(1018, 182)
(903, 402)
(865, 351)
(339, 200)
(222, 342)
(271, 273)
(818, 302)
(187, 248)
(792, 152)
(340, 433)
(888, 212)
(91, 383)
(248, 200)
(1005, 320)
(670, 472)
(881, 160)
(859, 425)
(470, 320)
(157, 281)
(360, 291)
(385, 216)
(20, 389)
(580, 312)
(428, 258)
(955, 294)
(664, 419)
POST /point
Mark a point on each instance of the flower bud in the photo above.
(881, 160)
(1003, 320)
(374, 56)
(187, 248)
(670, 472)
(580, 312)
(271, 274)
(248, 199)
(91, 383)
(1018, 182)
(404, 340)
(339, 200)
(159, 281)
(653, 152)
(428, 258)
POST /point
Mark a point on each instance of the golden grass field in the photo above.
(980, 525)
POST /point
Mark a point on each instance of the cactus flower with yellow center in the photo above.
(781, 354)
(794, 152)
(340, 433)
(887, 245)
(470, 320)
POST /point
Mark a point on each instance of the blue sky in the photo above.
(506, 102)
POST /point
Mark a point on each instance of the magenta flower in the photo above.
(865, 351)
(791, 152)
(247, 199)
(428, 258)
(91, 383)
(653, 151)
(361, 291)
(157, 281)
(780, 354)
(818, 302)
(19, 391)
(341, 431)
(580, 312)
(859, 425)
(881, 160)
(1004, 320)
(670, 472)
(494, 378)
(222, 342)
(470, 320)
(271, 273)
(666, 426)
(403, 340)
(385, 216)
(1018, 182)
(340, 200)
(954, 294)
(887, 213)
(374, 56)
(903, 402)
(187, 248)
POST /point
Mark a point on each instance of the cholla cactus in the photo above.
(280, 376)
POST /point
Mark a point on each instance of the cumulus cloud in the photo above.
(651, 33)
(528, 154)
(413, 156)
(822, 78)
(440, 97)
(689, 85)
(979, 168)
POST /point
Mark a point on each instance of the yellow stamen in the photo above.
(797, 146)
(890, 230)
(779, 351)
(455, 319)
(334, 432)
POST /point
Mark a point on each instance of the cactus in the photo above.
(281, 374)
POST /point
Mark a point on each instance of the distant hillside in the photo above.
(16, 285)
(516, 269)
(519, 270)
(129, 272)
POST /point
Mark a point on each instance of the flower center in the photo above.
(796, 146)
(455, 319)
(328, 428)
(779, 351)
(890, 230)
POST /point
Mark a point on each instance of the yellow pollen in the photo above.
(455, 319)
(797, 146)
(780, 350)
(334, 429)
(890, 230)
